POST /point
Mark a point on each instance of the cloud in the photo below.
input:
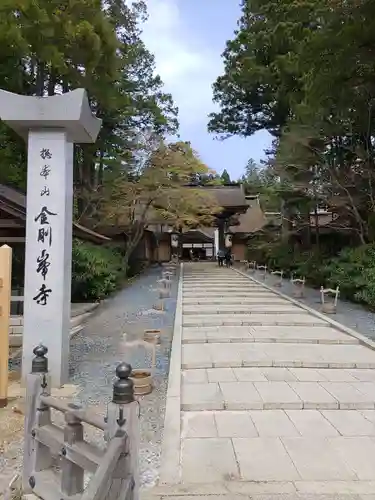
(187, 70)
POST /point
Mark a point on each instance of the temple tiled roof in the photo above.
(252, 220)
(16, 202)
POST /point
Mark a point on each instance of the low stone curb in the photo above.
(170, 454)
(349, 331)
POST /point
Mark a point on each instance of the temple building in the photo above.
(239, 218)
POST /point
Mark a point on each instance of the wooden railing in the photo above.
(56, 458)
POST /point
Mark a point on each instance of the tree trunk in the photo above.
(317, 228)
(40, 79)
(52, 83)
(180, 244)
(131, 245)
(101, 167)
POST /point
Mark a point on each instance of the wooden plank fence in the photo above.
(114, 468)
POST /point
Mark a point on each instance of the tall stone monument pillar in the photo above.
(50, 125)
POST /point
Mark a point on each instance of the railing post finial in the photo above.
(123, 387)
(39, 363)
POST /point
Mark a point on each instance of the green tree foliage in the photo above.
(304, 72)
(158, 191)
(96, 271)
(50, 46)
(262, 80)
(225, 177)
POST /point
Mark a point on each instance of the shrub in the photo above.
(97, 271)
(354, 272)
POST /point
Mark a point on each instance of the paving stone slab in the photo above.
(278, 395)
(235, 424)
(221, 375)
(208, 460)
(200, 424)
(317, 459)
(302, 319)
(218, 282)
(229, 299)
(194, 376)
(253, 374)
(196, 356)
(220, 286)
(274, 423)
(196, 397)
(348, 396)
(310, 423)
(222, 293)
(358, 454)
(363, 375)
(221, 355)
(242, 309)
(350, 423)
(264, 459)
(281, 334)
(314, 396)
(264, 374)
(267, 395)
(241, 396)
(296, 334)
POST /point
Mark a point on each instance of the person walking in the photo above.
(228, 258)
(220, 257)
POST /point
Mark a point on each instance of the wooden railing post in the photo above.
(37, 457)
(72, 475)
(122, 416)
(5, 294)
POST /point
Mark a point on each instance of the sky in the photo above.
(187, 38)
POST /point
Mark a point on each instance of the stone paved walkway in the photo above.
(265, 400)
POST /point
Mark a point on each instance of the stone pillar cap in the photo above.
(70, 112)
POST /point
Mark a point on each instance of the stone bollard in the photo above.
(329, 307)
(298, 286)
(165, 283)
(36, 457)
(123, 418)
(263, 271)
(164, 293)
(278, 278)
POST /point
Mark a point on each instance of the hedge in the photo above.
(353, 270)
(97, 271)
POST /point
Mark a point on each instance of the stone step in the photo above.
(232, 300)
(224, 355)
(242, 309)
(277, 395)
(251, 320)
(215, 282)
(285, 334)
(223, 286)
(275, 374)
(222, 293)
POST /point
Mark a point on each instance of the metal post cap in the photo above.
(123, 387)
(39, 363)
